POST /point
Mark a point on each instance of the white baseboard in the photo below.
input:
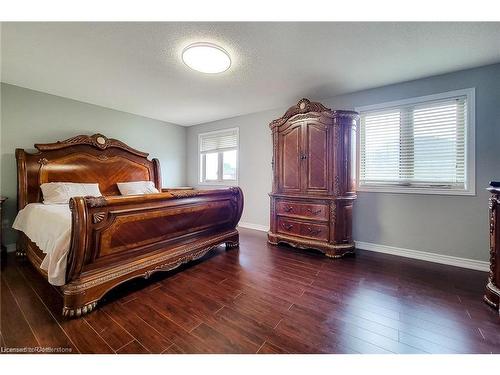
(422, 255)
(260, 227)
(399, 251)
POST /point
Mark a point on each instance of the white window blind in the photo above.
(219, 157)
(420, 144)
(219, 141)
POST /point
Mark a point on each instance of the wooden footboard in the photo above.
(115, 239)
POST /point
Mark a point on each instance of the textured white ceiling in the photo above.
(136, 67)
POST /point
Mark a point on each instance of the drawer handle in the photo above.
(313, 231)
(314, 212)
(288, 209)
(287, 226)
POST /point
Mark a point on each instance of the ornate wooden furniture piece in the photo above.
(492, 293)
(313, 184)
(116, 238)
(2, 246)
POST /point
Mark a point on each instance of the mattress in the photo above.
(49, 227)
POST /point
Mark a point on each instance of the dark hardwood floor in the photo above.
(264, 299)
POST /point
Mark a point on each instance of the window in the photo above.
(420, 145)
(219, 157)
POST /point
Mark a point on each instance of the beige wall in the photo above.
(29, 117)
(448, 225)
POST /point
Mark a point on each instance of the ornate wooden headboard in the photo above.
(82, 158)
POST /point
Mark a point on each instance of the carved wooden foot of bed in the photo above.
(20, 252)
(79, 311)
(78, 303)
(233, 242)
(22, 244)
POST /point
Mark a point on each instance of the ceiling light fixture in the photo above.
(206, 58)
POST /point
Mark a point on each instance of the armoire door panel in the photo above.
(290, 157)
(316, 157)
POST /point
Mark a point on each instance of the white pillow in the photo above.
(61, 192)
(137, 188)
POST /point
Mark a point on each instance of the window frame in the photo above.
(470, 146)
(201, 170)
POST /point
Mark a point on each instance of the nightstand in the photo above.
(2, 200)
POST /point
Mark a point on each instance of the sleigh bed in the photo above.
(116, 238)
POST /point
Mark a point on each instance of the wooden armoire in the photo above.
(314, 151)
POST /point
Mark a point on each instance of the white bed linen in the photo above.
(62, 192)
(49, 227)
(137, 188)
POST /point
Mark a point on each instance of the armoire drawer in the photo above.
(315, 231)
(289, 226)
(303, 229)
(307, 210)
(315, 211)
(288, 208)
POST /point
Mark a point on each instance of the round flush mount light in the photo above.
(206, 58)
